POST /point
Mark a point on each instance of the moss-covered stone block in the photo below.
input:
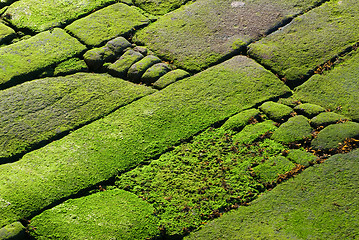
(240, 120)
(22, 60)
(334, 135)
(115, 20)
(309, 40)
(295, 129)
(276, 111)
(335, 89)
(327, 118)
(71, 66)
(253, 131)
(205, 32)
(14, 231)
(6, 33)
(132, 134)
(158, 7)
(96, 57)
(121, 66)
(40, 15)
(113, 214)
(155, 72)
(269, 171)
(299, 156)
(118, 45)
(320, 203)
(309, 110)
(39, 110)
(170, 77)
(136, 71)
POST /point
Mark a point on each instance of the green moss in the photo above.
(113, 214)
(136, 71)
(121, 66)
(335, 89)
(70, 66)
(116, 20)
(240, 120)
(295, 129)
(299, 156)
(320, 203)
(309, 40)
(309, 110)
(42, 109)
(22, 60)
(276, 111)
(132, 134)
(14, 231)
(155, 72)
(158, 7)
(327, 118)
(252, 132)
(6, 33)
(170, 77)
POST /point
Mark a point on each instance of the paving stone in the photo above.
(334, 135)
(121, 66)
(170, 77)
(70, 66)
(310, 40)
(136, 71)
(299, 156)
(14, 231)
(252, 132)
(22, 60)
(309, 110)
(113, 214)
(327, 118)
(295, 129)
(116, 20)
(39, 110)
(240, 120)
(320, 203)
(158, 7)
(132, 134)
(276, 111)
(30, 13)
(6, 33)
(207, 31)
(155, 72)
(337, 89)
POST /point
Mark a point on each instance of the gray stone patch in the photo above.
(121, 66)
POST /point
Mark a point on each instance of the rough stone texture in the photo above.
(334, 135)
(131, 135)
(71, 66)
(320, 203)
(30, 14)
(23, 59)
(14, 231)
(118, 45)
(170, 77)
(136, 71)
(158, 7)
(6, 33)
(276, 111)
(116, 20)
(295, 129)
(240, 120)
(299, 156)
(96, 57)
(252, 132)
(309, 110)
(327, 118)
(121, 66)
(155, 72)
(309, 40)
(337, 89)
(114, 214)
(39, 110)
(201, 34)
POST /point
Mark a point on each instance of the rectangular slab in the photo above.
(132, 134)
(203, 33)
(39, 110)
(19, 61)
(310, 40)
(110, 22)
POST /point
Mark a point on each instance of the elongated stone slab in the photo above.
(337, 89)
(131, 135)
(20, 61)
(310, 40)
(39, 110)
(114, 214)
(38, 15)
(320, 203)
(113, 21)
(201, 34)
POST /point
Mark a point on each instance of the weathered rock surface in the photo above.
(6, 33)
(155, 72)
(309, 110)
(158, 7)
(170, 77)
(276, 111)
(136, 71)
(327, 118)
(240, 120)
(121, 66)
(14, 231)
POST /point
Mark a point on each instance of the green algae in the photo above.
(114, 214)
(300, 156)
(39, 110)
(252, 132)
(197, 181)
(136, 71)
(115, 20)
(276, 111)
(170, 77)
(320, 203)
(121, 66)
(22, 60)
(132, 134)
(310, 40)
(155, 72)
(70, 66)
(309, 110)
(158, 7)
(335, 89)
(14, 231)
(6, 33)
(327, 118)
(240, 120)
